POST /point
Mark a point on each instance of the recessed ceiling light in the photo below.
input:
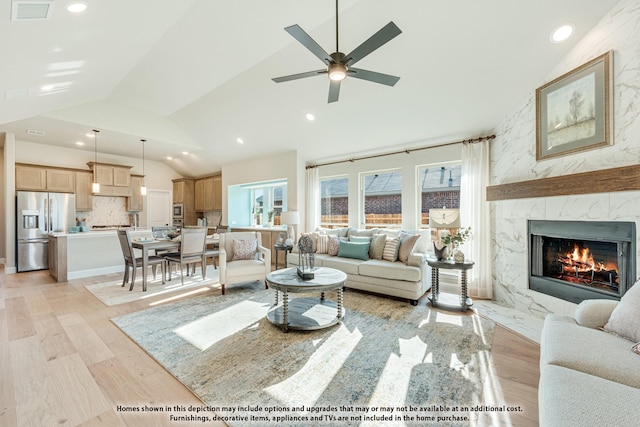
(185, 153)
(169, 158)
(310, 117)
(240, 140)
(77, 7)
(79, 143)
(562, 33)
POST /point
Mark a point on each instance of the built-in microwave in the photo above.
(178, 210)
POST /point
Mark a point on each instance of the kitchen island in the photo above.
(86, 254)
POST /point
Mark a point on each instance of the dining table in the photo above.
(164, 244)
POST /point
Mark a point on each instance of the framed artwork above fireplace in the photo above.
(573, 112)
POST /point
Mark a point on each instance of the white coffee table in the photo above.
(306, 313)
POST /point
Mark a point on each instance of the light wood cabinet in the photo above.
(111, 175)
(61, 180)
(208, 195)
(217, 193)
(84, 199)
(31, 178)
(184, 193)
(134, 201)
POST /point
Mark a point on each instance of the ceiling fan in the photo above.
(339, 65)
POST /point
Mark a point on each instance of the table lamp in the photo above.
(441, 219)
(290, 218)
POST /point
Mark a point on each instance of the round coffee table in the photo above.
(306, 313)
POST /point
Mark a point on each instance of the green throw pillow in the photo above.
(357, 250)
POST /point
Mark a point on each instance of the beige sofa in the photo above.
(409, 280)
(588, 377)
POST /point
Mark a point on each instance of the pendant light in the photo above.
(95, 187)
(143, 189)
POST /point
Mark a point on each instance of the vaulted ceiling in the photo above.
(195, 75)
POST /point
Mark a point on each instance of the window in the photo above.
(334, 202)
(439, 186)
(382, 199)
(251, 204)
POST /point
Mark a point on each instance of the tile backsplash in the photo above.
(106, 211)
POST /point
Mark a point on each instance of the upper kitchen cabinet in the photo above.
(40, 178)
(134, 201)
(31, 178)
(112, 175)
(84, 199)
(114, 180)
(183, 190)
(208, 194)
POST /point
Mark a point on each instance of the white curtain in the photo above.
(313, 199)
(474, 212)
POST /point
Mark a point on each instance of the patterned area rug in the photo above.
(111, 291)
(387, 363)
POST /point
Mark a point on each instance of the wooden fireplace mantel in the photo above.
(625, 178)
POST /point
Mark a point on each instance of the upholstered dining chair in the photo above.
(132, 262)
(214, 253)
(243, 258)
(192, 244)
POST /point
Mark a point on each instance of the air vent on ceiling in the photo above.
(35, 132)
(16, 93)
(31, 10)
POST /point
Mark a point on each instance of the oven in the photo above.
(178, 211)
(177, 223)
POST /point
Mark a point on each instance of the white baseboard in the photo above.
(80, 274)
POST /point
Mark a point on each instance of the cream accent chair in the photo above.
(232, 272)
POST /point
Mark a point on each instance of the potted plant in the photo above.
(270, 218)
(453, 242)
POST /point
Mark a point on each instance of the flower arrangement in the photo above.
(458, 237)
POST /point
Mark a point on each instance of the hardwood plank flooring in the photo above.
(64, 363)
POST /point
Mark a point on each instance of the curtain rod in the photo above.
(407, 151)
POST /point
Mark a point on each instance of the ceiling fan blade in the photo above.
(298, 76)
(384, 35)
(306, 40)
(334, 91)
(372, 76)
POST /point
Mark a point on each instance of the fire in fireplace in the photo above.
(578, 260)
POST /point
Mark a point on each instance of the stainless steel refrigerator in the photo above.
(38, 214)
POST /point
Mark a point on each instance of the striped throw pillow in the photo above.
(323, 244)
(390, 252)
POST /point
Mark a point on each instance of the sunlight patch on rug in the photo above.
(111, 292)
(307, 385)
(210, 329)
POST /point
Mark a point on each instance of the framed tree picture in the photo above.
(573, 112)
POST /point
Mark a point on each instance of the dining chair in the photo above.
(132, 262)
(192, 246)
(214, 253)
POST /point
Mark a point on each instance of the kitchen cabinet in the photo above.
(84, 199)
(61, 180)
(184, 194)
(31, 178)
(111, 175)
(42, 178)
(208, 195)
(134, 201)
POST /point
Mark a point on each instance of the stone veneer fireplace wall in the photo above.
(513, 159)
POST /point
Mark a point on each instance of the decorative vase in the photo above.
(458, 256)
(442, 253)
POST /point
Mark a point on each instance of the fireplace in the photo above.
(579, 260)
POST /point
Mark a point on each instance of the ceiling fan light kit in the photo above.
(339, 65)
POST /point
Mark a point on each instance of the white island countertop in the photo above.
(96, 252)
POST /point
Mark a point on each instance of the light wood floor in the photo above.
(62, 362)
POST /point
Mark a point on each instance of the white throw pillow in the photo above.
(322, 244)
(625, 319)
(244, 249)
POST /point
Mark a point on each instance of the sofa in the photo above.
(590, 365)
(383, 261)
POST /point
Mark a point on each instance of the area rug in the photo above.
(387, 361)
(111, 292)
